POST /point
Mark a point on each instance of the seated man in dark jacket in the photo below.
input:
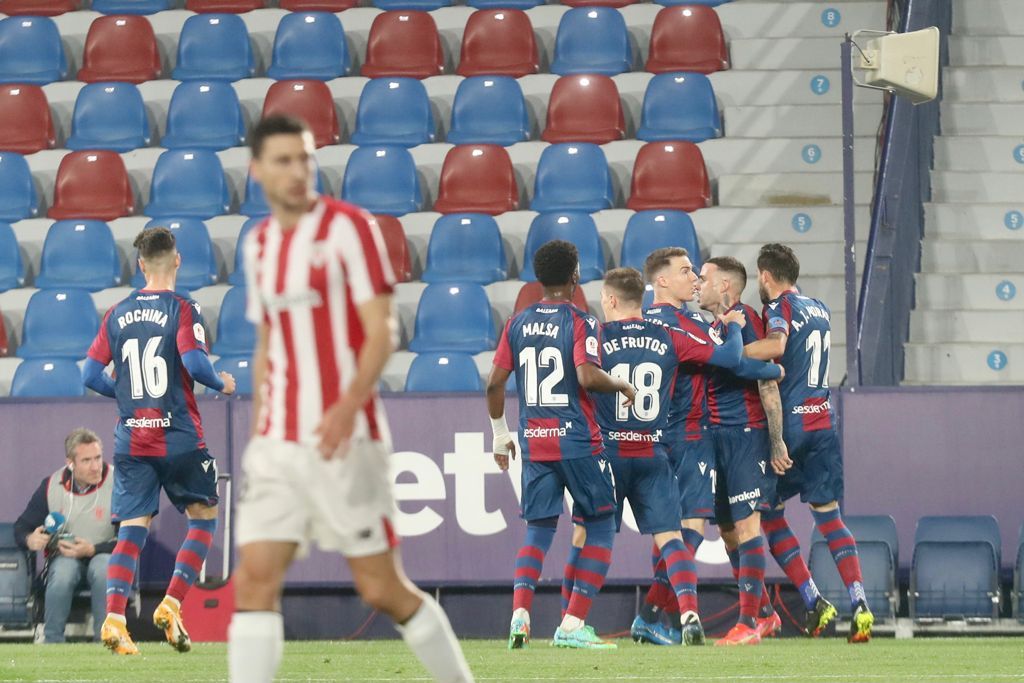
(78, 496)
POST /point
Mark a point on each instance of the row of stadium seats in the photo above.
(391, 111)
(313, 45)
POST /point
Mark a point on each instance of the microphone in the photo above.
(54, 523)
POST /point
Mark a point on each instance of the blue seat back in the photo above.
(454, 317)
(504, 4)
(214, 46)
(39, 378)
(16, 569)
(877, 569)
(59, 323)
(960, 528)
(572, 176)
(12, 268)
(382, 179)
(241, 368)
(466, 247)
(650, 230)
(873, 528)
(31, 51)
(592, 40)
(188, 183)
(237, 276)
(236, 336)
(953, 579)
(309, 45)
(130, 6)
(198, 259)
(110, 116)
(394, 111)
(204, 115)
(255, 203)
(421, 5)
(489, 110)
(572, 226)
(18, 197)
(79, 253)
(443, 372)
(679, 106)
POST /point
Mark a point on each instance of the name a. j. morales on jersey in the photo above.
(142, 315)
(542, 329)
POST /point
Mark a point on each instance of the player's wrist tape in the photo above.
(501, 436)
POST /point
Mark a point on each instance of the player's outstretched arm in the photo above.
(503, 446)
(771, 401)
(770, 348)
(749, 368)
(593, 378)
(199, 366)
(94, 377)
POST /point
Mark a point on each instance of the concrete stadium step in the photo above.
(759, 54)
(980, 292)
(976, 118)
(790, 189)
(982, 84)
(963, 256)
(979, 153)
(961, 326)
(816, 258)
(798, 121)
(988, 50)
(988, 17)
(787, 19)
(807, 86)
(964, 363)
(975, 221)
(976, 187)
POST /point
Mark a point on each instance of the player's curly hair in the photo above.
(780, 261)
(628, 284)
(278, 124)
(153, 243)
(555, 263)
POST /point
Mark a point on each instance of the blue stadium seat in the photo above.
(454, 317)
(592, 40)
(466, 247)
(572, 226)
(18, 197)
(394, 111)
(240, 368)
(421, 5)
(59, 323)
(679, 106)
(188, 184)
(12, 268)
(198, 261)
(214, 46)
(204, 115)
(236, 336)
(650, 230)
(309, 45)
(572, 177)
(489, 110)
(255, 203)
(504, 4)
(79, 254)
(237, 276)
(443, 372)
(382, 179)
(39, 378)
(31, 51)
(648, 299)
(109, 116)
(131, 6)
(955, 569)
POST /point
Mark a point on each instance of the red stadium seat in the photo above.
(403, 43)
(584, 109)
(223, 6)
(398, 249)
(687, 38)
(318, 5)
(37, 8)
(120, 48)
(477, 179)
(3, 337)
(532, 292)
(311, 101)
(498, 42)
(669, 175)
(92, 184)
(25, 122)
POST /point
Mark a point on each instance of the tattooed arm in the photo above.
(771, 401)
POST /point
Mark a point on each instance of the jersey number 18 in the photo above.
(646, 380)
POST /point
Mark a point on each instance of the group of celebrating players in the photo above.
(689, 421)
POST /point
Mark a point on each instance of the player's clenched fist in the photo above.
(336, 429)
(733, 316)
(229, 383)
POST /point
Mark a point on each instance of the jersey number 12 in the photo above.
(147, 371)
(542, 391)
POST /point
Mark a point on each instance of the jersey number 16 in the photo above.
(147, 371)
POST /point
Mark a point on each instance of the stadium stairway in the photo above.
(968, 322)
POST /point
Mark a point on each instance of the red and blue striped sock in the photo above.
(844, 551)
(191, 556)
(764, 608)
(785, 548)
(682, 574)
(530, 561)
(122, 565)
(592, 566)
(660, 596)
(569, 576)
(692, 538)
(751, 579)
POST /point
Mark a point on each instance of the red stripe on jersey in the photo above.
(148, 441)
(261, 242)
(187, 387)
(698, 387)
(99, 351)
(751, 395)
(546, 447)
(356, 337)
(587, 406)
(322, 330)
(374, 265)
(817, 414)
(389, 533)
(291, 375)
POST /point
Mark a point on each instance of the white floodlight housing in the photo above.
(903, 63)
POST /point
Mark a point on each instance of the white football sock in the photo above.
(255, 646)
(521, 613)
(571, 623)
(430, 637)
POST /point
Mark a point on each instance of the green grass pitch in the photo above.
(992, 660)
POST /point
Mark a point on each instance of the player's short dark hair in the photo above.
(732, 266)
(628, 283)
(278, 124)
(555, 262)
(153, 243)
(780, 261)
(660, 258)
